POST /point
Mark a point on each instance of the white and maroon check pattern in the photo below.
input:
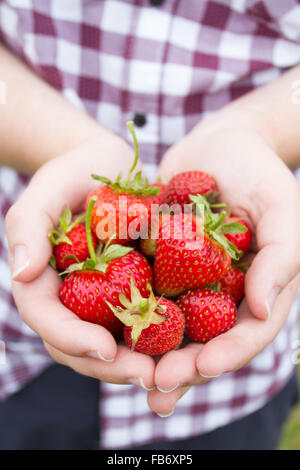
(175, 63)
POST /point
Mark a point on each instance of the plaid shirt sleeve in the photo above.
(175, 64)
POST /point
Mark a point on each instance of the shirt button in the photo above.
(139, 120)
(156, 3)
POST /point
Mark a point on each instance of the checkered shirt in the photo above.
(176, 63)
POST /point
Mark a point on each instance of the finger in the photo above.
(164, 404)
(41, 309)
(127, 367)
(29, 221)
(238, 346)
(277, 262)
(63, 180)
(168, 378)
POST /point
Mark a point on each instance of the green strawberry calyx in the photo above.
(242, 267)
(99, 260)
(137, 185)
(215, 227)
(139, 312)
(60, 233)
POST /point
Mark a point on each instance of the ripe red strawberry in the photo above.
(182, 185)
(123, 207)
(102, 278)
(153, 325)
(85, 292)
(189, 255)
(241, 240)
(188, 261)
(69, 240)
(207, 313)
(233, 283)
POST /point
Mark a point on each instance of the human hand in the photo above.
(87, 348)
(258, 186)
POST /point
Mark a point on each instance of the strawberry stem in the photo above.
(136, 184)
(88, 229)
(221, 205)
(136, 147)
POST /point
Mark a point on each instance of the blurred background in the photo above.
(290, 439)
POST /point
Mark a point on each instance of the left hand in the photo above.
(258, 186)
(88, 348)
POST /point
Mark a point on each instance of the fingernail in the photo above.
(167, 391)
(20, 260)
(209, 376)
(165, 416)
(98, 355)
(140, 383)
(270, 302)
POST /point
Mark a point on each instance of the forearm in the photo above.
(271, 110)
(37, 123)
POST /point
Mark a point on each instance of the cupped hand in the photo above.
(258, 186)
(88, 348)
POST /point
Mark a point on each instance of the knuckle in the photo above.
(13, 216)
(53, 352)
(22, 310)
(95, 372)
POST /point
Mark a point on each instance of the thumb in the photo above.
(28, 243)
(276, 264)
(63, 180)
(38, 209)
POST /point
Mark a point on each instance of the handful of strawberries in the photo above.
(153, 261)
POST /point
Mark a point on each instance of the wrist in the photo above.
(235, 118)
(83, 136)
(103, 153)
(221, 140)
(80, 132)
(38, 123)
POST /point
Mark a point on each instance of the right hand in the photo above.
(85, 347)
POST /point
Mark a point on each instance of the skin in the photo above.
(256, 140)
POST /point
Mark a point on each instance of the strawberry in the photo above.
(153, 325)
(147, 246)
(182, 185)
(116, 211)
(207, 313)
(241, 240)
(69, 240)
(188, 255)
(233, 283)
(101, 278)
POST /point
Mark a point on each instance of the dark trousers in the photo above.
(59, 410)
